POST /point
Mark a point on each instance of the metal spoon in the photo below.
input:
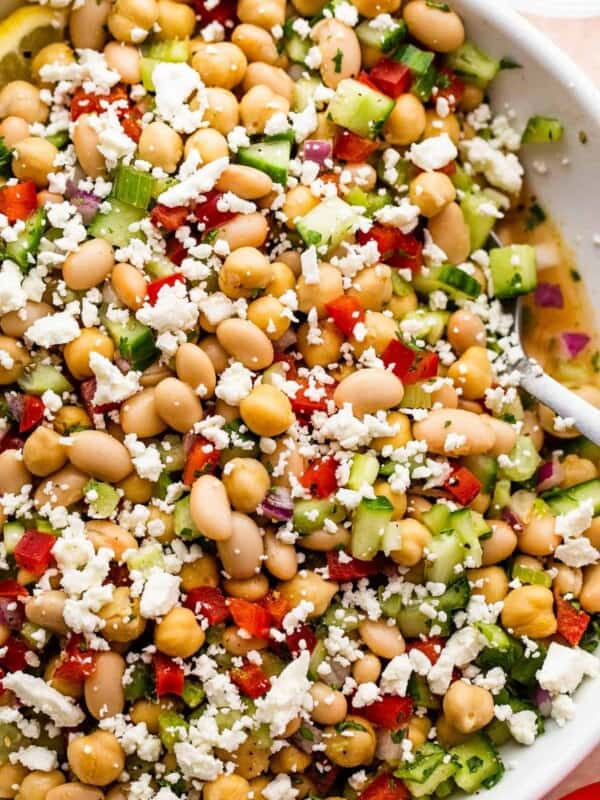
(548, 391)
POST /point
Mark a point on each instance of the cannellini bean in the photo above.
(280, 558)
(101, 455)
(103, 533)
(177, 404)
(139, 414)
(46, 610)
(241, 554)
(434, 429)
(103, 690)
(194, 366)
(14, 475)
(246, 182)
(210, 509)
(62, 488)
(246, 342)
(382, 639)
(369, 390)
(89, 265)
(86, 141)
(332, 38)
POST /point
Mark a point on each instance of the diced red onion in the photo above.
(12, 613)
(86, 202)
(277, 505)
(312, 736)
(550, 475)
(388, 750)
(123, 364)
(574, 342)
(318, 150)
(14, 402)
(549, 295)
(288, 339)
(188, 441)
(513, 519)
(543, 700)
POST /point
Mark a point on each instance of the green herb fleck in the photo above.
(5, 159)
(307, 734)
(509, 63)
(596, 361)
(437, 4)
(535, 217)
(447, 423)
(397, 736)
(337, 60)
(575, 275)
(583, 137)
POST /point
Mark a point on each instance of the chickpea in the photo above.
(22, 99)
(222, 112)
(70, 418)
(257, 43)
(33, 160)
(500, 545)
(367, 669)
(267, 314)
(74, 791)
(178, 634)
(247, 483)
(264, 15)
(411, 538)
(397, 499)
(593, 532)
(465, 330)
(97, 759)
(239, 645)
(176, 20)
(148, 712)
(277, 79)
(437, 126)
(103, 533)
(367, 8)
(226, 787)
(380, 328)
(55, 53)
(327, 351)
(267, 411)
(354, 746)
(165, 531)
(77, 352)
(438, 30)
(577, 470)
(129, 285)
(125, 60)
(13, 129)
(12, 777)
(569, 580)
(539, 537)
(400, 306)
(298, 202)
(244, 271)
(220, 64)
(431, 192)
(373, 286)
(418, 730)
(258, 105)
(252, 589)
(468, 708)
(307, 585)
(317, 295)
(472, 373)
(329, 705)
(493, 580)
(590, 593)
(208, 143)
(406, 123)
(14, 475)
(130, 20)
(43, 452)
(308, 8)
(290, 759)
(161, 146)
(528, 611)
(136, 489)
(122, 617)
(449, 231)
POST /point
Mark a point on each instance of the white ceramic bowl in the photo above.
(549, 83)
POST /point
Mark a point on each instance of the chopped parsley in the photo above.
(5, 159)
(337, 60)
(440, 6)
(596, 361)
(535, 217)
(509, 63)
(575, 275)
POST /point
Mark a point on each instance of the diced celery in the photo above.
(415, 396)
(370, 201)
(447, 552)
(40, 378)
(140, 683)
(310, 515)
(400, 287)
(536, 577)
(35, 636)
(115, 225)
(193, 693)
(131, 185)
(102, 498)
(12, 532)
(419, 61)
(184, 525)
(146, 558)
(437, 518)
(147, 68)
(386, 41)
(173, 50)
(432, 323)
(542, 130)
(479, 222)
(172, 728)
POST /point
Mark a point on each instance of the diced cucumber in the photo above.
(12, 532)
(400, 286)
(159, 267)
(524, 669)
(146, 558)
(304, 91)
(423, 85)
(437, 518)
(403, 169)
(432, 323)
(522, 461)
(455, 597)
(470, 526)
(338, 616)
(132, 186)
(134, 340)
(370, 201)
(419, 690)
(310, 515)
(567, 500)
(386, 41)
(140, 683)
(453, 281)
(172, 728)
(501, 496)
(102, 498)
(272, 158)
(172, 453)
(390, 606)
(36, 637)
(485, 469)
(11, 739)
(542, 130)
(114, 225)
(368, 526)
(172, 50)
(359, 108)
(60, 140)
(317, 657)
(327, 224)
(535, 577)
(364, 470)
(147, 66)
(40, 378)
(479, 766)
(295, 46)
(513, 269)
(479, 222)
(462, 180)
(25, 247)
(473, 65)
(497, 732)
(412, 622)
(193, 694)
(184, 525)
(417, 60)
(429, 769)
(446, 552)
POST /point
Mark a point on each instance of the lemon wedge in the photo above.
(22, 34)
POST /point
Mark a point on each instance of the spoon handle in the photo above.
(561, 400)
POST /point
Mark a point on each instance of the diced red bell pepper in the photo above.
(252, 617)
(455, 90)
(302, 638)
(169, 218)
(398, 356)
(131, 122)
(251, 680)
(286, 358)
(346, 311)
(203, 458)
(319, 479)
(350, 147)
(32, 413)
(385, 787)
(224, 11)
(572, 622)
(84, 102)
(176, 251)
(431, 647)
(18, 201)
(303, 405)
(385, 238)
(14, 656)
(322, 774)
(208, 602)
(408, 253)
(277, 606)
(78, 660)
(10, 588)
(365, 78)
(33, 551)
(168, 676)
(11, 442)
(344, 568)
(92, 103)
(208, 214)
(118, 575)
(463, 485)
(154, 287)
(391, 77)
(425, 367)
(388, 711)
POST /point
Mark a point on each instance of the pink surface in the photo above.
(580, 38)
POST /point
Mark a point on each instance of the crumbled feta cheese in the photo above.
(55, 329)
(112, 386)
(433, 153)
(174, 84)
(565, 667)
(35, 692)
(235, 383)
(160, 594)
